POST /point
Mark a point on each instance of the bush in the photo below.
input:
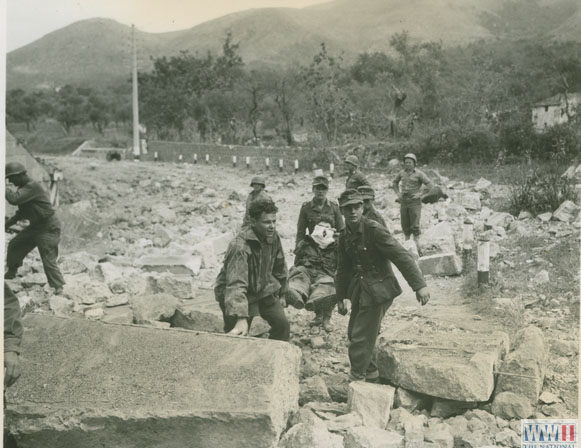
(539, 191)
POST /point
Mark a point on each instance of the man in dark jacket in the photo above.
(369, 211)
(355, 178)
(254, 276)
(43, 232)
(311, 277)
(365, 277)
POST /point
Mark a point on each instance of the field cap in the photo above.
(349, 197)
(321, 180)
(366, 192)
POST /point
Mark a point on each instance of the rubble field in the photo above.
(143, 242)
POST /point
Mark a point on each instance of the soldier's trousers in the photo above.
(47, 240)
(362, 331)
(271, 311)
(410, 212)
(311, 284)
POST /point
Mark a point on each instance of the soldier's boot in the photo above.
(318, 320)
(10, 274)
(372, 377)
(321, 302)
(294, 299)
(417, 242)
(326, 320)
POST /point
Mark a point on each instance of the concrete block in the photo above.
(179, 286)
(305, 435)
(441, 264)
(482, 184)
(439, 437)
(153, 307)
(567, 212)
(84, 290)
(77, 263)
(455, 366)
(438, 239)
(313, 389)
(545, 217)
(175, 264)
(509, 406)
(93, 385)
(372, 402)
(362, 436)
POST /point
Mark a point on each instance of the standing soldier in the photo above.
(409, 196)
(365, 277)
(258, 185)
(254, 276)
(317, 209)
(369, 211)
(355, 178)
(43, 232)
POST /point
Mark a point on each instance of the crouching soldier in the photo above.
(254, 276)
(43, 232)
(311, 278)
(365, 277)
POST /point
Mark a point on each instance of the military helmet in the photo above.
(258, 180)
(353, 160)
(14, 168)
(411, 156)
(350, 196)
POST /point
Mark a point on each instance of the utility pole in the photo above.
(136, 146)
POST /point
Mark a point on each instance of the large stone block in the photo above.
(499, 219)
(438, 239)
(304, 435)
(153, 307)
(175, 264)
(567, 212)
(179, 286)
(88, 384)
(455, 366)
(508, 405)
(469, 200)
(84, 290)
(361, 436)
(372, 402)
(441, 264)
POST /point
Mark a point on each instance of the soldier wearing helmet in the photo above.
(355, 178)
(43, 232)
(258, 185)
(410, 196)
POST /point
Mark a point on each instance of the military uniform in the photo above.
(43, 232)
(251, 280)
(374, 215)
(364, 276)
(355, 180)
(311, 214)
(410, 207)
(12, 322)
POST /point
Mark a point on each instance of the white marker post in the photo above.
(247, 162)
(207, 159)
(155, 157)
(195, 159)
(483, 261)
(280, 165)
(332, 169)
(296, 166)
(267, 161)
(467, 237)
(181, 158)
(234, 161)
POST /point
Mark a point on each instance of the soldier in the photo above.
(365, 277)
(12, 339)
(254, 275)
(258, 185)
(355, 178)
(369, 211)
(43, 232)
(317, 209)
(410, 197)
(311, 278)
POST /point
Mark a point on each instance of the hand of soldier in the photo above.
(11, 368)
(342, 308)
(423, 295)
(282, 302)
(417, 195)
(241, 327)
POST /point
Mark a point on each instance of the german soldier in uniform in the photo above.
(254, 276)
(365, 277)
(43, 232)
(355, 178)
(369, 211)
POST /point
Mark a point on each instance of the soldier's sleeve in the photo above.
(363, 180)
(339, 222)
(22, 195)
(280, 269)
(396, 181)
(398, 255)
(236, 271)
(300, 254)
(13, 330)
(342, 276)
(301, 225)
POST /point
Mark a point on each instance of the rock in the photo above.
(149, 387)
(318, 342)
(524, 215)
(372, 402)
(397, 419)
(313, 389)
(179, 286)
(161, 237)
(468, 200)
(441, 264)
(211, 248)
(364, 437)
(499, 219)
(95, 313)
(447, 408)
(174, 264)
(303, 435)
(165, 213)
(555, 410)
(476, 439)
(488, 419)
(409, 400)
(153, 307)
(549, 398)
(494, 250)
(61, 306)
(528, 358)
(440, 437)
(344, 422)
(482, 185)
(80, 207)
(117, 300)
(118, 315)
(567, 212)
(545, 217)
(507, 437)
(509, 405)
(458, 426)
(306, 416)
(133, 283)
(30, 280)
(414, 430)
(541, 277)
(204, 314)
(438, 239)
(77, 263)
(564, 348)
(464, 372)
(83, 289)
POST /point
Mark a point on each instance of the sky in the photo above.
(28, 20)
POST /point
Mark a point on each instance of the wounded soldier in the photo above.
(311, 278)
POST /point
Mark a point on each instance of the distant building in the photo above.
(555, 110)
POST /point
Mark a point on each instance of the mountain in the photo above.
(98, 51)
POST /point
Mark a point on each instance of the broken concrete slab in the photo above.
(82, 289)
(441, 264)
(88, 384)
(455, 366)
(372, 402)
(438, 239)
(153, 307)
(174, 264)
(567, 212)
(545, 217)
(509, 405)
(307, 435)
(180, 286)
(525, 365)
(204, 314)
(362, 436)
(468, 200)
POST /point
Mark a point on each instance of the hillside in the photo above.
(97, 51)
